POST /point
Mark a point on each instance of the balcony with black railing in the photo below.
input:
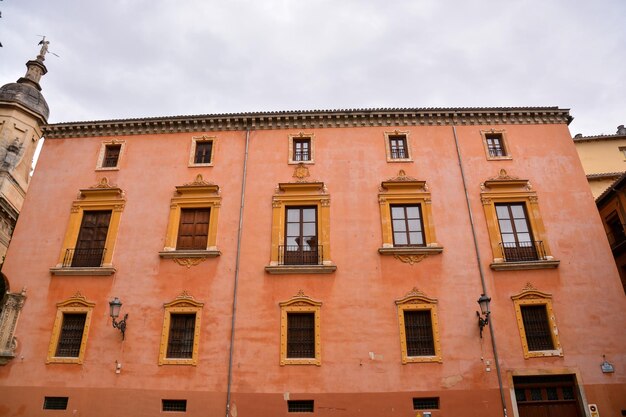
(523, 255)
(299, 255)
(81, 258)
(523, 251)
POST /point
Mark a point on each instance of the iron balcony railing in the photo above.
(523, 251)
(298, 255)
(75, 257)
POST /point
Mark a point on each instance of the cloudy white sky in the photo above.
(134, 58)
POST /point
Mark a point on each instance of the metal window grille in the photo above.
(302, 149)
(71, 335)
(203, 152)
(111, 155)
(181, 336)
(174, 405)
(495, 145)
(300, 406)
(301, 335)
(426, 403)
(537, 327)
(55, 403)
(419, 333)
(397, 147)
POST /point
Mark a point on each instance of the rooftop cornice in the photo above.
(604, 175)
(311, 119)
(597, 138)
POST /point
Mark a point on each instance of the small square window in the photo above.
(495, 144)
(55, 403)
(202, 151)
(397, 146)
(174, 405)
(301, 148)
(300, 406)
(110, 155)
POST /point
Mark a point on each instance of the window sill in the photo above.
(116, 168)
(200, 165)
(68, 360)
(96, 270)
(499, 158)
(399, 159)
(421, 359)
(308, 162)
(300, 269)
(171, 361)
(543, 353)
(520, 266)
(411, 250)
(171, 254)
(303, 361)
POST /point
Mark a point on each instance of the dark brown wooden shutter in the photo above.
(193, 229)
(301, 335)
(111, 156)
(419, 333)
(90, 245)
(71, 335)
(537, 327)
(203, 152)
(182, 331)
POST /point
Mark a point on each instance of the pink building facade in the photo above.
(324, 262)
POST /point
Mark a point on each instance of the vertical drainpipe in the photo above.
(480, 266)
(234, 311)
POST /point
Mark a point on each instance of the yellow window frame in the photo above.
(300, 303)
(302, 135)
(505, 144)
(196, 194)
(388, 146)
(505, 188)
(183, 304)
(74, 304)
(102, 196)
(404, 189)
(416, 300)
(531, 296)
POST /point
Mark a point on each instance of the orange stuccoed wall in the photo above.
(361, 371)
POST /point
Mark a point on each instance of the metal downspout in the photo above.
(234, 311)
(480, 269)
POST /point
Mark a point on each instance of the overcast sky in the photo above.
(143, 58)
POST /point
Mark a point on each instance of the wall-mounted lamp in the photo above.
(116, 305)
(483, 316)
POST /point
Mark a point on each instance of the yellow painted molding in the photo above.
(76, 304)
(300, 303)
(416, 300)
(183, 304)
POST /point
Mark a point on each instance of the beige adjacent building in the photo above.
(603, 158)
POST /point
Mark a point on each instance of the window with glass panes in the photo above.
(111, 156)
(398, 147)
(301, 245)
(302, 149)
(517, 239)
(203, 152)
(495, 145)
(407, 226)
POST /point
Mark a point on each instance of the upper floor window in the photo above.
(202, 151)
(536, 322)
(92, 231)
(71, 327)
(193, 230)
(495, 144)
(192, 224)
(515, 226)
(408, 229)
(406, 222)
(397, 146)
(419, 333)
(616, 232)
(301, 148)
(110, 155)
(181, 331)
(300, 227)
